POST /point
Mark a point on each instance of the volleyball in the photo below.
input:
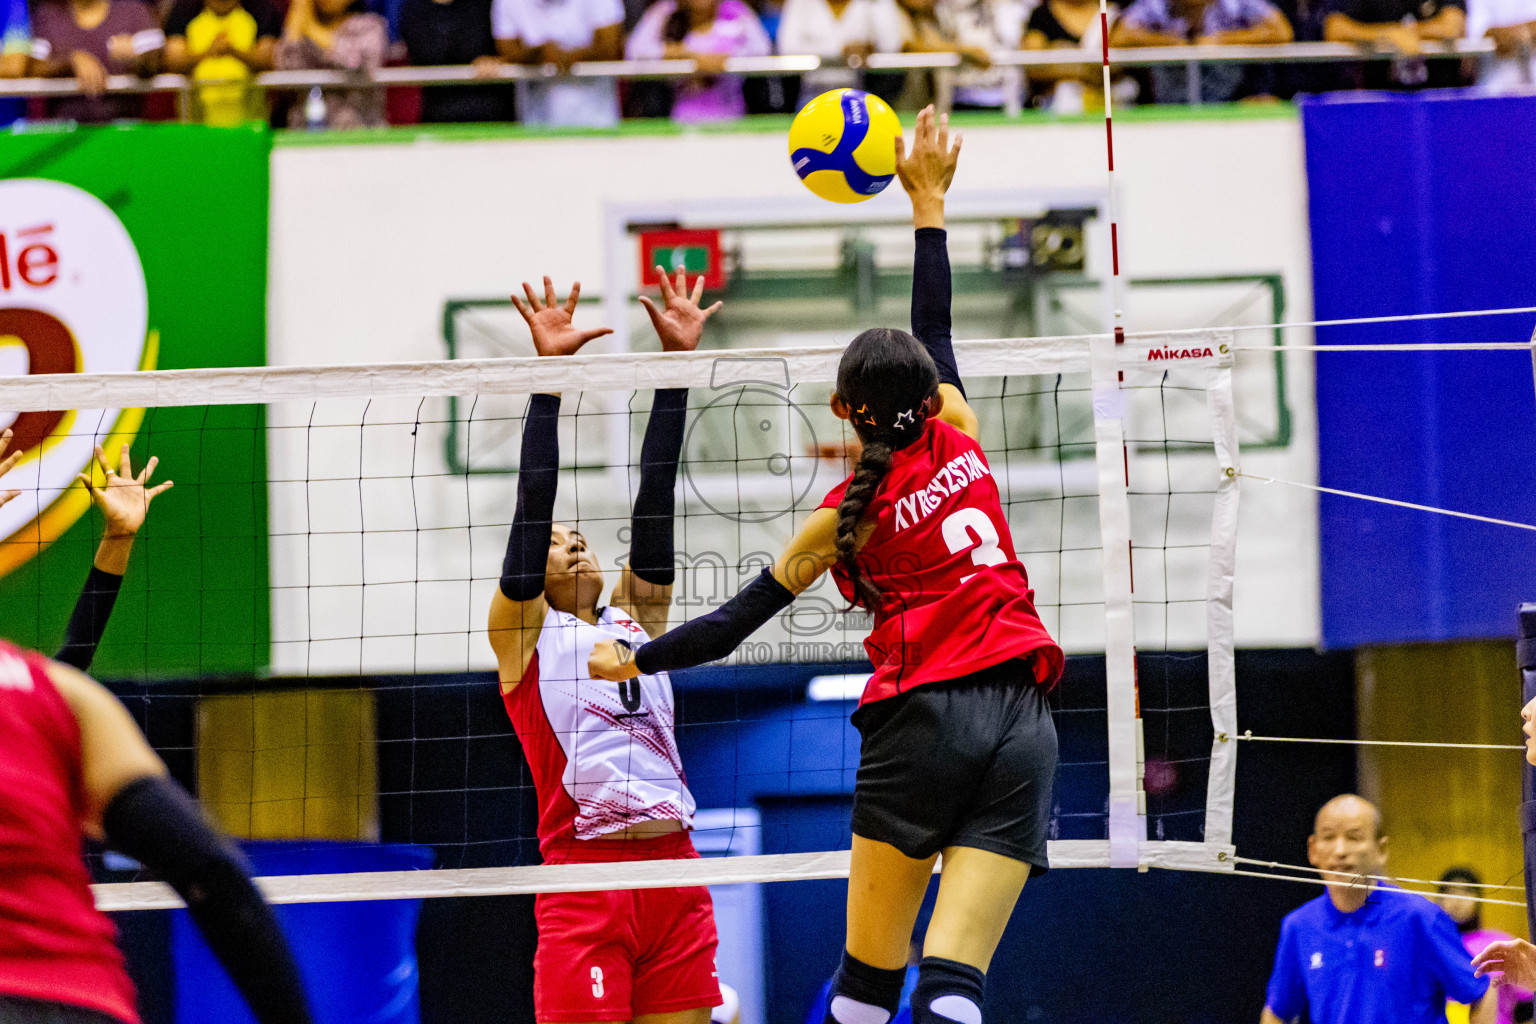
(843, 145)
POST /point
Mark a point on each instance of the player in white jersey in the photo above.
(603, 755)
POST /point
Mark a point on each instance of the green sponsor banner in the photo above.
(147, 247)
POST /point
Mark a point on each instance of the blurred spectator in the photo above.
(562, 32)
(89, 40)
(706, 31)
(1067, 25)
(837, 30)
(15, 38)
(1400, 25)
(1204, 23)
(929, 27)
(985, 27)
(1458, 886)
(1511, 24)
(15, 53)
(224, 43)
(335, 35)
(438, 32)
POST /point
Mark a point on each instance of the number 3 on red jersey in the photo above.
(972, 528)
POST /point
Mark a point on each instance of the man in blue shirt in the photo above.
(1366, 952)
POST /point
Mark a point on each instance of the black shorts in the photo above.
(16, 1010)
(968, 762)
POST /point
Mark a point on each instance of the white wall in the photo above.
(369, 240)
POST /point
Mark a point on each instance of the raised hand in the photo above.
(124, 498)
(550, 322)
(7, 463)
(929, 168)
(681, 324)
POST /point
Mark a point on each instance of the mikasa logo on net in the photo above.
(72, 300)
(1155, 354)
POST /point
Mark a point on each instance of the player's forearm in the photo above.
(92, 610)
(1486, 1009)
(154, 821)
(1270, 1017)
(113, 552)
(522, 571)
(713, 636)
(651, 552)
(932, 294)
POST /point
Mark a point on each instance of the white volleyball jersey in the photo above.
(603, 754)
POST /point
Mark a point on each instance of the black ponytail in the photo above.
(886, 378)
(874, 464)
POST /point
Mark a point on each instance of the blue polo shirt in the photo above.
(1394, 961)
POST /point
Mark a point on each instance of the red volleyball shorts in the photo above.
(616, 954)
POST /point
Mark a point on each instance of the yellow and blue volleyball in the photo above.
(843, 145)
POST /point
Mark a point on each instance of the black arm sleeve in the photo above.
(154, 821)
(713, 636)
(651, 554)
(89, 619)
(931, 293)
(522, 571)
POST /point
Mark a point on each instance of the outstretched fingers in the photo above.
(666, 284)
(680, 286)
(593, 332)
(570, 300)
(150, 494)
(942, 136)
(124, 466)
(698, 290)
(148, 471)
(549, 293)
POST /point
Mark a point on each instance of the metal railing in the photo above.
(1190, 56)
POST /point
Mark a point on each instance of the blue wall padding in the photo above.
(1423, 204)
(358, 960)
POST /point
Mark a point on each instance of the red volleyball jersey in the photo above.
(955, 597)
(54, 944)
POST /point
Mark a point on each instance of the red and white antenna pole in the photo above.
(1116, 293)
(1109, 148)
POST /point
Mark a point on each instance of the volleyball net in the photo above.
(380, 515)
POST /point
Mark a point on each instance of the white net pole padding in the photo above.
(1127, 822)
(1221, 789)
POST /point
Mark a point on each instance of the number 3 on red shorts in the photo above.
(597, 982)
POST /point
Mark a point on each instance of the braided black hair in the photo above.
(886, 379)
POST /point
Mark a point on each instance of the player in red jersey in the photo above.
(958, 749)
(73, 764)
(604, 758)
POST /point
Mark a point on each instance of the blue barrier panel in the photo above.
(1423, 204)
(358, 959)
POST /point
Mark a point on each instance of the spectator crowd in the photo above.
(222, 44)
